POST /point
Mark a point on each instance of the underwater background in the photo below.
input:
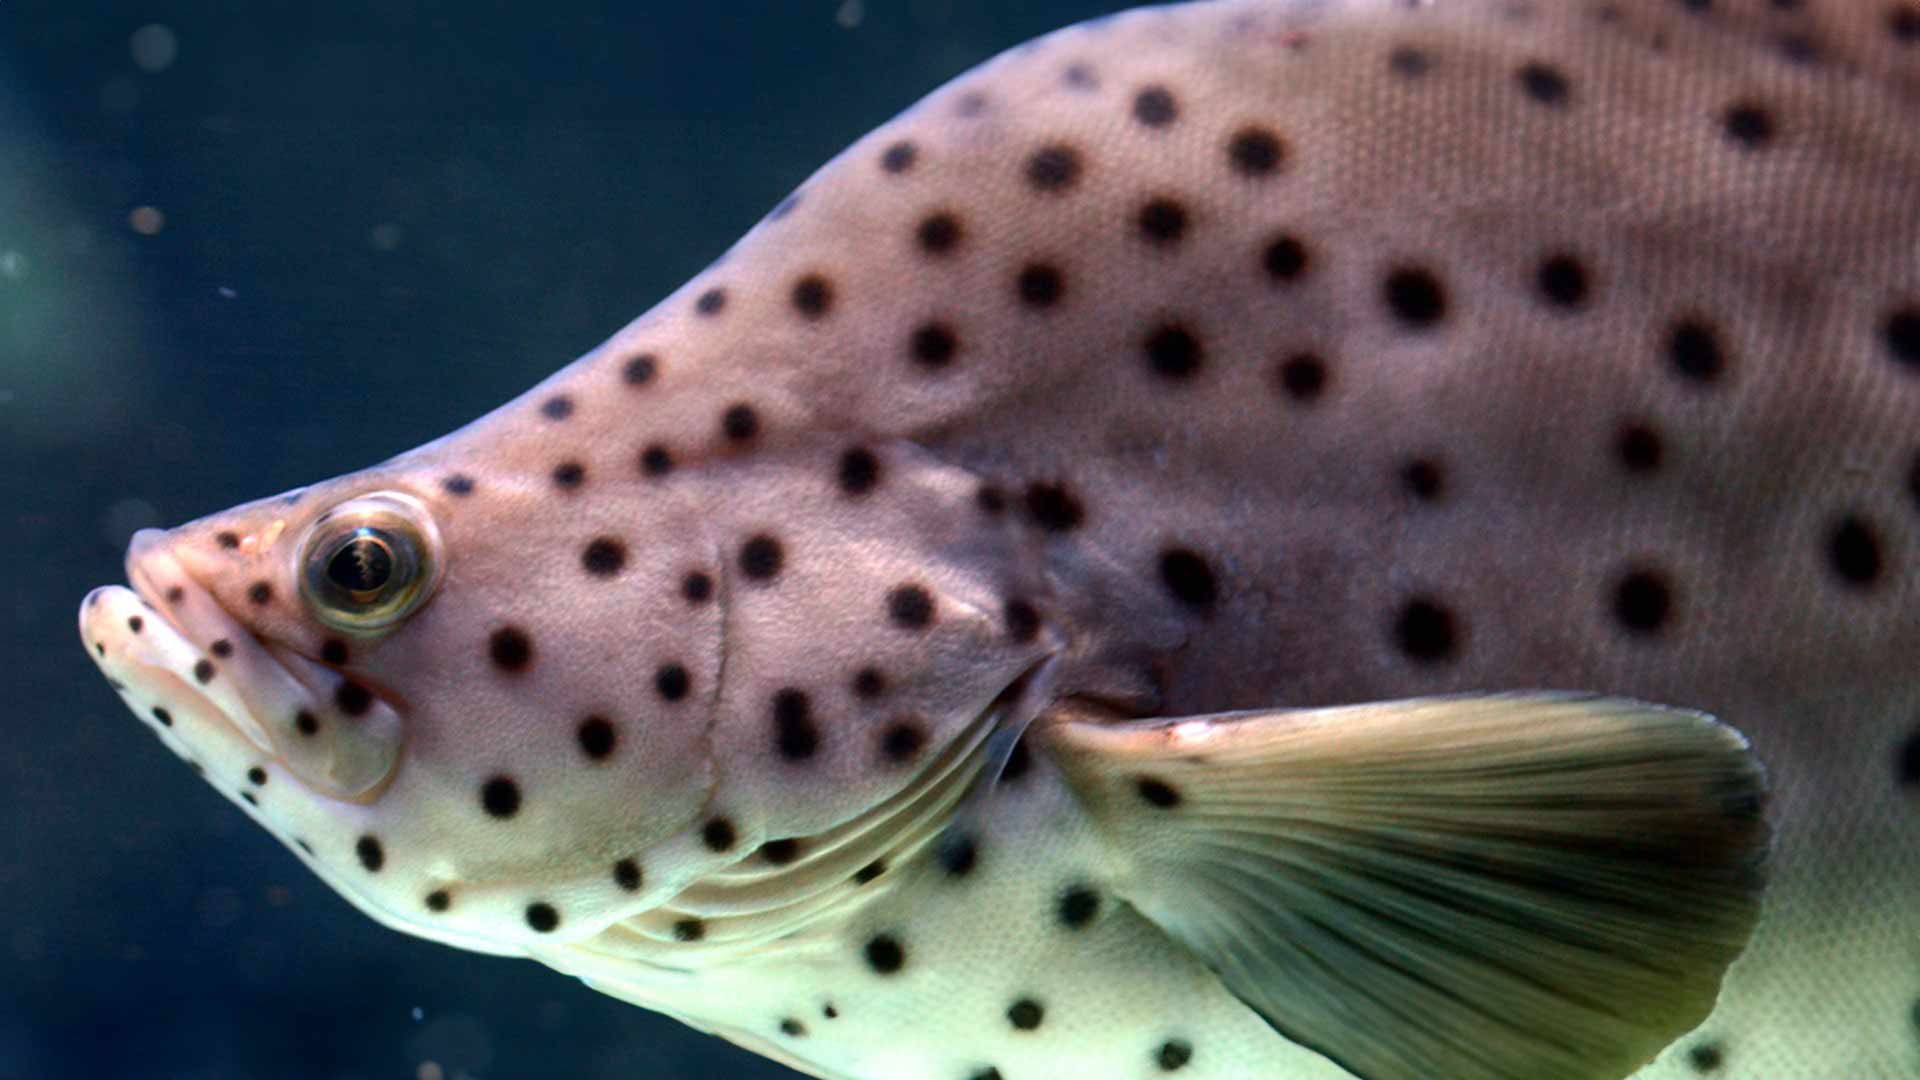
(245, 245)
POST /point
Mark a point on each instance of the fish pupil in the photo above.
(363, 565)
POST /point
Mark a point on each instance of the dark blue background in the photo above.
(382, 217)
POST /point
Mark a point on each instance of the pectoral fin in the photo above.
(1519, 886)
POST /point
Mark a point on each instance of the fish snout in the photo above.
(169, 639)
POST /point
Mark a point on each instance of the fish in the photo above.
(1248, 538)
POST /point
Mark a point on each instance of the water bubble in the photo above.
(147, 220)
(154, 48)
(851, 14)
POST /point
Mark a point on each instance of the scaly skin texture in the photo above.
(1248, 354)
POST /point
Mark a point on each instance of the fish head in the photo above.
(468, 711)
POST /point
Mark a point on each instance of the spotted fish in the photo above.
(1156, 560)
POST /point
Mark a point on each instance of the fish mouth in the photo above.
(214, 689)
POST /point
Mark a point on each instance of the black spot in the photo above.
(1054, 167)
(780, 852)
(711, 302)
(500, 797)
(1913, 481)
(1706, 1057)
(1022, 620)
(256, 776)
(626, 874)
(1025, 1014)
(933, 344)
(656, 460)
(1415, 297)
(333, 651)
(439, 900)
(829, 1011)
(1053, 507)
(260, 593)
(557, 407)
(1906, 773)
(899, 157)
(1642, 601)
(162, 717)
(1903, 22)
(203, 671)
(306, 723)
(1040, 285)
(869, 683)
(972, 104)
(939, 234)
(1189, 579)
(1798, 48)
(542, 917)
(792, 1027)
(1901, 332)
(1162, 222)
(603, 556)
(1173, 352)
(689, 930)
(901, 741)
(352, 698)
(717, 834)
(641, 369)
(672, 682)
(1544, 84)
(1409, 62)
(1019, 760)
(957, 852)
(371, 855)
(510, 649)
(1425, 631)
(988, 1073)
(1284, 258)
(227, 540)
(1255, 151)
(304, 846)
(1562, 280)
(221, 648)
(696, 587)
(1080, 77)
(870, 871)
(458, 484)
(1853, 550)
(1156, 792)
(569, 475)
(740, 422)
(1078, 906)
(884, 954)
(859, 471)
(176, 594)
(794, 733)
(1638, 447)
(761, 557)
(910, 607)
(1154, 107)
(1748, 125)
(1303, 377)
(990, 499)
(596, 737)
(812, 296)
(1693, 348)
(135, 623)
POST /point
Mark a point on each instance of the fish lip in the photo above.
(149, 559)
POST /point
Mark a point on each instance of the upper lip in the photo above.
(192, 614)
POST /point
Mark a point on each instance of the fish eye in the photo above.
(369, 562)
